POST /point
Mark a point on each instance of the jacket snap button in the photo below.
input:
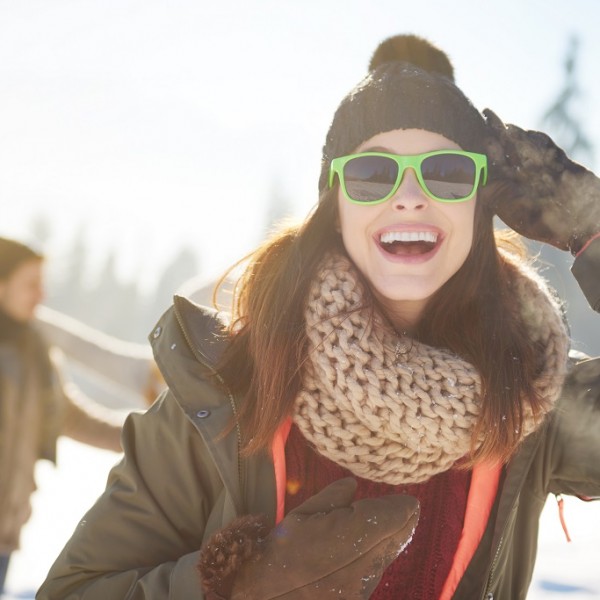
(157, 332)
(202, 414)
(490, 596)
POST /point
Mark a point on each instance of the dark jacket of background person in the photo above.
(151, 543)
(37, 406)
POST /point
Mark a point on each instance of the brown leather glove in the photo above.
(328, 547)
(553, 199)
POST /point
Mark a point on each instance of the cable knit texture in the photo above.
(400, 411)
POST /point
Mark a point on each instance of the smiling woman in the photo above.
(388, 405)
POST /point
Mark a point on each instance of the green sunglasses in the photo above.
(444, 175)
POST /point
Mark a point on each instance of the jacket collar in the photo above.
(187, 342)
(204, 329)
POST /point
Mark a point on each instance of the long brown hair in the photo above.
(470, 315)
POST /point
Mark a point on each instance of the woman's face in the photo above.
(404, 275)
(22, 291)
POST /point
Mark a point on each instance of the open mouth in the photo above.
(408, 243)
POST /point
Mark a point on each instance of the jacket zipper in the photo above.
(203, 360)
(486, 592)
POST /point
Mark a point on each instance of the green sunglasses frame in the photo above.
(412, 161)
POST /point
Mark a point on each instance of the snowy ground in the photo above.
(564, 570)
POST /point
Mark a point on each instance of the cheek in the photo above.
(342, 207)
(354, 219)
(464, 222)
(346, 222)
(471, 223)
(466, 238)
(353, 229)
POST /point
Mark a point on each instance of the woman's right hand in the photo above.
(328, 547)
(553, 199)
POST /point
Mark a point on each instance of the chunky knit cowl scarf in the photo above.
(393, 409)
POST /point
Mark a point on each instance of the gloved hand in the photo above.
(552, 199)
(328, 547)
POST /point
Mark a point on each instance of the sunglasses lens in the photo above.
(370, 178)
(449, 176)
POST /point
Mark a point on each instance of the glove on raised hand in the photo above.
(553, 200)
(328, 547)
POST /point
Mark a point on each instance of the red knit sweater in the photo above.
(420, 571)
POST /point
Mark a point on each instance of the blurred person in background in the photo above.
(36, 404)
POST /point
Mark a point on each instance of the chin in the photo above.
(406, 290)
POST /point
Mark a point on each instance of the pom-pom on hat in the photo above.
(410, 85)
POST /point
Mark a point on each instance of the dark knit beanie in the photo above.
(410, 85)
(12, 254)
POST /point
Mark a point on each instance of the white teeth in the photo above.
(408, 236)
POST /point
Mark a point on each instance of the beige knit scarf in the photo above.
(396, 410)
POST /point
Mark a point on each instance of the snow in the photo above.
(564, 570)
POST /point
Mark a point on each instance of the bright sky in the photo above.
(151, 123)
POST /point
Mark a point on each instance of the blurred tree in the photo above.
(182, 267)
(562, 121)
(561, 117)
(110, 304)
(115, 306)
(68, 290)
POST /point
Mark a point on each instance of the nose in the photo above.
(409, 195)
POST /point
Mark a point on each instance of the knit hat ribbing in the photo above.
(410, 85)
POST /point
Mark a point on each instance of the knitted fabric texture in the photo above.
(402, 418)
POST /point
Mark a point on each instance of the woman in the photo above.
(35, 405)
(389, 350)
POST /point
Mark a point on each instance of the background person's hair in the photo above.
(13, 254)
